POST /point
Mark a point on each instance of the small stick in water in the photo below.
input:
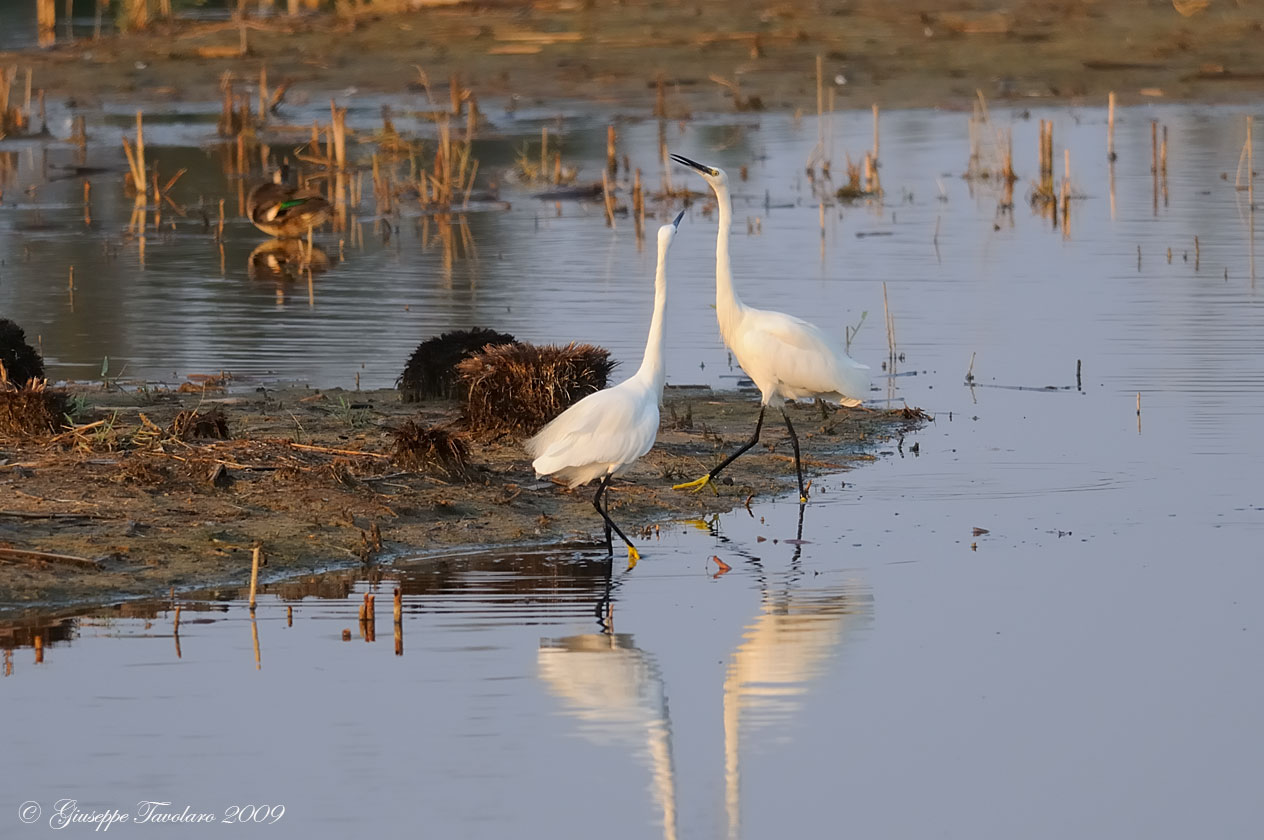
(875, 134)
(256, 556)
(1110, 128)
(1078, 384)
(612, 162)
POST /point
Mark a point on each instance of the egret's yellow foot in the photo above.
(633, 556)
(803, 500)
(696, 485)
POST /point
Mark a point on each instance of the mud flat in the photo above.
(125, 508)
(711, 55)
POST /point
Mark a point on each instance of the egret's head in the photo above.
(667, 232)
(715, 177)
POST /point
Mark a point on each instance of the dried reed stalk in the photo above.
(1110, 127)
(255, 559)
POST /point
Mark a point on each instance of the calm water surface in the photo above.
(1087, 667)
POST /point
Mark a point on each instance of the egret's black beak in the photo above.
(676, 221)
(693, 164)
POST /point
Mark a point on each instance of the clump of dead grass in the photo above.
(518, 388)
(431, 449)
(430, 371)
(32, 410)
(19, 361)
(191, 424)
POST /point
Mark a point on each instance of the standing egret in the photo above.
(603, 434)
(786, 357)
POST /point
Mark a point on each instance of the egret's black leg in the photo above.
(633, 554)
(698, 484)
(798, 466)
(606, 516)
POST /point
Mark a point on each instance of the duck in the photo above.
(283, 211)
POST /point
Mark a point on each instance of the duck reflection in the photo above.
(282, 260)
(616, 691)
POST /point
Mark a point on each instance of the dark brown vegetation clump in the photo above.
(520, 387)
(431, 449)
(31, 411)
(191, 424)
(19, 361)
(430, 371)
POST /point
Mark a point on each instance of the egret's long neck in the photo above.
(728, 307)
(651, 369)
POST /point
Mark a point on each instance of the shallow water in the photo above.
(1087, 666)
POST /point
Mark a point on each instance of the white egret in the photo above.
(786, 357)
(603, 434)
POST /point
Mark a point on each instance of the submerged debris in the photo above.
(19, 361)
(430, 448)
(32, 410)
(430, 371)
(520, 387)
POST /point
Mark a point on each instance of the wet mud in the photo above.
(126, 508)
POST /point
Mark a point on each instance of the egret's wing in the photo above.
(614, 426)
(781, 348)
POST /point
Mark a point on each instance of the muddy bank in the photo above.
(309, 475)
(714, 56)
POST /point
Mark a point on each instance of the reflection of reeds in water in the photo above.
(991, 155)
(14, 120)
(786, 646)
(616, 692)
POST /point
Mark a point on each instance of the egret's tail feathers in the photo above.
(855, 382)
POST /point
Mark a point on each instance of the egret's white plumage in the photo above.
(603, 434)
(786, 357)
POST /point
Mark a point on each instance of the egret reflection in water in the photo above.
(788, 644)
(616, 691)
(783, 649)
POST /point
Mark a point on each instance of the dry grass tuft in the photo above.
(193, 424)
(431, 449)
(19, 361)
(520, 387)
(430, 371)
(31, 411)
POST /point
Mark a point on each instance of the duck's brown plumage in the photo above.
(284, 212)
